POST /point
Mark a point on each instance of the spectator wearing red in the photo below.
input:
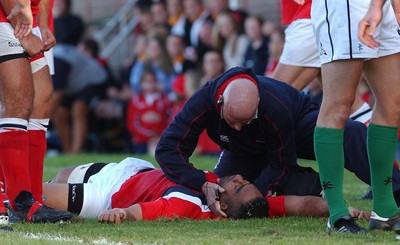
(147, 114)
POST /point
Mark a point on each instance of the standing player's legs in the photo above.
(382, 135)
(342, 56)
(38, 124)
(16, 95)
(340, 80)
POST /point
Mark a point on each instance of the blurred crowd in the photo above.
(179, 46)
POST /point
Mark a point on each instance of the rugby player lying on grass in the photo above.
(135, 190)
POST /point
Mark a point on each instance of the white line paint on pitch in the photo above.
(60, 238)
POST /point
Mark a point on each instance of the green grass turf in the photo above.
(262, 231)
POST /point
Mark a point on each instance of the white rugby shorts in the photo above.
(97, 192)
(300, 45)
(9, 45)
(337, 38)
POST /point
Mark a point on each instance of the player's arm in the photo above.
(313, 206)
(43, 21)
(119, 215)
(310, 206)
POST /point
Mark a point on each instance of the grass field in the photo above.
(263, 231)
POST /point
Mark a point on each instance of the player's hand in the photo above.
(48, 38)
(32, 44)
(23, 18)
(211, 191)
(114, 216)
(367, 27)
(361, 215)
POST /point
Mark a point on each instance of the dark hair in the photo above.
(257, 208)
(92, 46)
(68, 5)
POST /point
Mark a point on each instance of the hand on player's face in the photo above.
(212, 192)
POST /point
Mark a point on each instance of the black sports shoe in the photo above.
(4, 221)
(346, 224)
(39, 213)
(392, 223)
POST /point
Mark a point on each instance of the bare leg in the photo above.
(62, 176)
(43, 100)
(56, 196)
(297, 76)
(61, 123)
(79, 125)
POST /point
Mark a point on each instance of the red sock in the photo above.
(37, 150)
(3, 209)
(14, 162)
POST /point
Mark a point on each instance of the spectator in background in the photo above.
(147, 113)
(79, 79)
(257, 52)
(157, 56)
(218, 6)
(91, 48)
(276, 44)
(105, 115)
(196, 24)
(268, 27)
(227, 38)
(175, 12)
(119, 95)
(176, 50)
(124, 91)
(159, 14)
(68, 28)
(213, 66)
(143, 13)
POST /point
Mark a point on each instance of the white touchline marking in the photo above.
(60, 238)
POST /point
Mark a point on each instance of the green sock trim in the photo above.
(381, 148)
(328, 146)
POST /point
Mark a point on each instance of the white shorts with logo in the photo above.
(300, 45)
(10, 45)
(97, 192)
(337, 38)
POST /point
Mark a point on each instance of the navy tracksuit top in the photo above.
(271, 135)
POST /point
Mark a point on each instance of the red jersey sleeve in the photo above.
(276, 206)
(175, 207)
